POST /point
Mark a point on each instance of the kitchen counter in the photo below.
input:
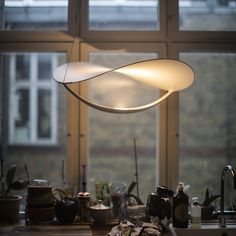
(65, 230)
(53, 230)
(207, 229)
(57, 230)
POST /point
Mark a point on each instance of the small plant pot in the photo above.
(9, 209)
(207, 212)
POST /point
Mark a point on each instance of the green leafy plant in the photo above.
(209, 198)
(131, 196)
(8, 182)
(103, 191)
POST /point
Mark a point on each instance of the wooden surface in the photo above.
(36, 230)
(56, 229)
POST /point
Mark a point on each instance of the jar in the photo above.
(118, 199)
(83, 206)
(195, 213)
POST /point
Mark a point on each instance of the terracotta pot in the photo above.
(9, 209)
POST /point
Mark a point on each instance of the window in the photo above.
(217, 15)
(34, 15)
(207, 122)
(111, 136)
(32, 98)
(185, 133)
(124, 15)
(34, 120)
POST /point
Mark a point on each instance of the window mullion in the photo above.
(33, 99)
(12, 104)
(54, 120)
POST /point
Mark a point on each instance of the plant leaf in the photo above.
(214, 197)
(131, 187)
(18, 185)
(11, 174)
(137, 199)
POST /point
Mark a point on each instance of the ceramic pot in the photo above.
(100, 214)
(66, 210)
(9, 209)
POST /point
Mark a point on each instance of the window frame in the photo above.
(77, 35)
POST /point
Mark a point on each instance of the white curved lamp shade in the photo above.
(78, 71)
(165, 74)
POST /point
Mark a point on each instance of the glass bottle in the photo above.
(195, 213)
(180, 208)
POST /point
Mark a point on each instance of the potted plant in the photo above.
(207, 207)
(133, 199)
(136, 208)
(103, 192)
(10, 203)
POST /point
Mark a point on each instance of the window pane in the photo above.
(33, 99)
(44, 114)
(44, 66)
(34, 15)
(134, 15)
(36, 115)
(207, 15)
(208, 123)
(22, 67)
(111, 149)
(21, 118)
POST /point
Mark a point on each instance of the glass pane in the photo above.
(111, 136)
(34, 15)
(44, 113)
(35, 108)
(208, 123)
(207, 15)
(21, 118)
(44, 66)
(134, 15)
(22, 67)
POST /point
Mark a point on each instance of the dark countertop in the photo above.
(59, 230)
(53, 230)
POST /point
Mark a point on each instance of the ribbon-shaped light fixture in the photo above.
(164, 74)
